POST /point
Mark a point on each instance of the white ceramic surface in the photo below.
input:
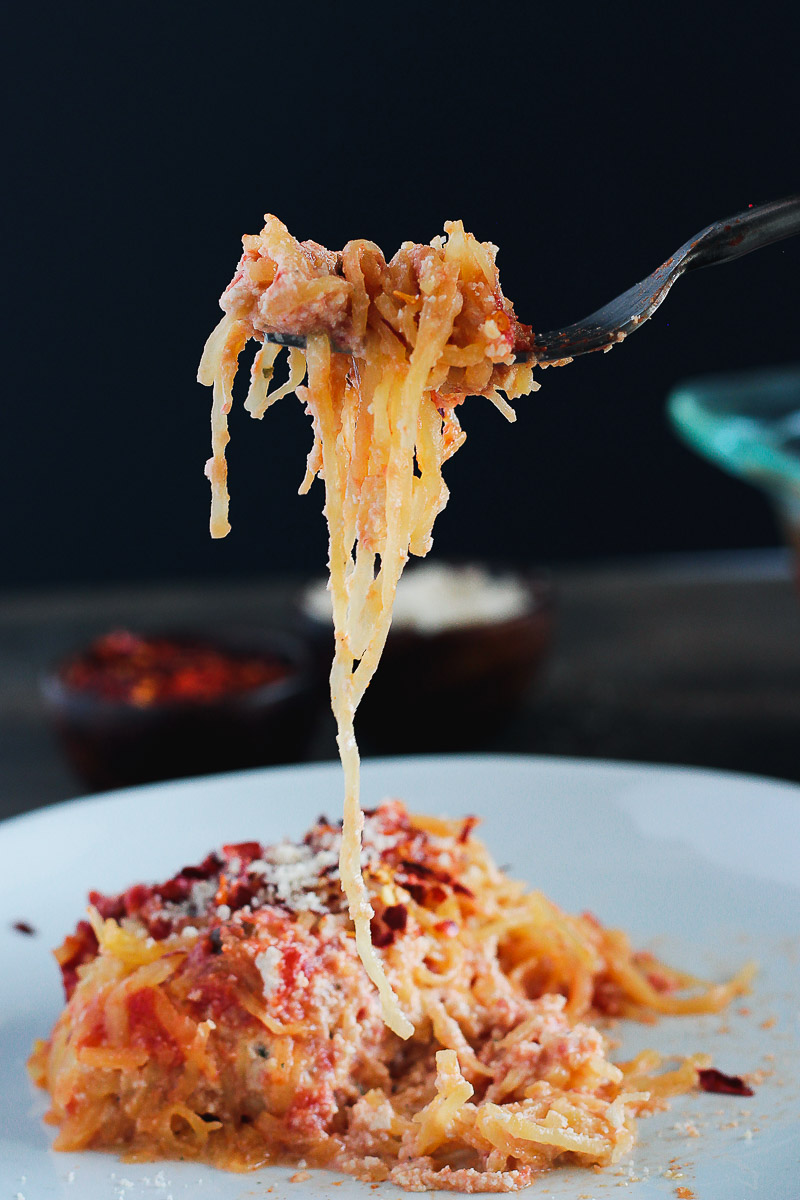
(704, 868)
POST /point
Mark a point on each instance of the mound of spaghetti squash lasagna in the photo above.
(224, 1016)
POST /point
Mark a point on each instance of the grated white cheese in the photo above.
(434, 597)
(287, 852)
(268, 964)
(292, 873)
(202, 893)
(288, 873)
(376, 844)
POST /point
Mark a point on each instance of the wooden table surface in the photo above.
(693, 661)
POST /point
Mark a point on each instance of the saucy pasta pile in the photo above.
(224, 1015)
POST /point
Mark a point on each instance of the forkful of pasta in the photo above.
(382, 354)
(722, 241)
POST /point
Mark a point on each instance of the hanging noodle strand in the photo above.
(390, 350)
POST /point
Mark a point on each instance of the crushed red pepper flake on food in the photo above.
(386, 925)
(396, 917)
(418, 872)
(77, 948)
(132, 669)
(24, 927)
(467, 828)
(712, 1080)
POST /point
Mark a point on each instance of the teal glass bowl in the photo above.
(749, 425)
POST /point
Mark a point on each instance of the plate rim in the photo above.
(631, 767)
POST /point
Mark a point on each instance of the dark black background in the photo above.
(587, 140)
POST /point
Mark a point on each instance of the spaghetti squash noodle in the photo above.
(224, 1016)
(390, 350)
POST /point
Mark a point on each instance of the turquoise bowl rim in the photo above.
(710, 413)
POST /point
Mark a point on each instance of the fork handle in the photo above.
(750, 230)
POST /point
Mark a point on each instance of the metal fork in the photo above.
(720, 242)
(758, 226)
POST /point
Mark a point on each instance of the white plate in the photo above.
(702, 867)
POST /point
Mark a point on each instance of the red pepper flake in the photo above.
(175, 889)
(110, 908)
(209, 866)
(240, 893)
(159, 927)
(419, 869)
(246, 851)
(423, 872)
(76, 949)
(467, 828)
(385, 927)
(128, 668)
(712, 1080)
(180, 886)
(417, 891)
(448, 929)
(396, 917)
(24, 927)
(136, 897)
(380, 934)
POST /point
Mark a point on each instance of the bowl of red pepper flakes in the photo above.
(136, 707)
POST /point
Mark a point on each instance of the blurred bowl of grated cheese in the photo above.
(466, 643)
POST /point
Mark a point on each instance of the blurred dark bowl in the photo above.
(453, 689)
(115, 743)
